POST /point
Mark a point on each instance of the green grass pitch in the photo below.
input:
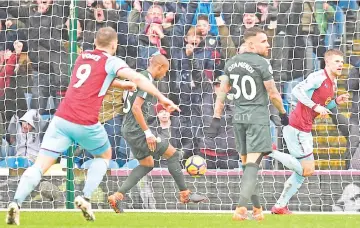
(180, 220)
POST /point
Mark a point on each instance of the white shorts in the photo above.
(299, 143)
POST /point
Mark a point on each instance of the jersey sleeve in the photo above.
(113, 65)
(304, 90)
(142, 93)
(331, 105)
(266, 70)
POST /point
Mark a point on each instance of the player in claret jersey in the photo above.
(315, 97)
(76, 120)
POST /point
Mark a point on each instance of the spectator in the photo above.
(111, 115)
(165, 128)
(41, 20)
(97, 17)
(25, 136)
(354, 122)
(12, 96)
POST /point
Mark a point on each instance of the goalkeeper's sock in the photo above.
(134, 177)
(288, 161)
(248, 183)
(175, 170)
(255, 198)
(29, 180)
(95, 174)
(291, 186)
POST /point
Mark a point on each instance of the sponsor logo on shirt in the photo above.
(327, 100)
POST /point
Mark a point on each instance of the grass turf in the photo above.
(180, 220)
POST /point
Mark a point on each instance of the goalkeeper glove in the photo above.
(284, 119)
(214, 128)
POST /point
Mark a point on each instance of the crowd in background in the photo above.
(196, 36)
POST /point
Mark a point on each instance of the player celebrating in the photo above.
(76, 120)
(144, 144)
(315, 97)
(250, 76)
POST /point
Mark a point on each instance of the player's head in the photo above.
(106, 39)
(334, 62)
(159, 66)
(256, 41)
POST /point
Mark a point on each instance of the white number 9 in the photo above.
(82, 73)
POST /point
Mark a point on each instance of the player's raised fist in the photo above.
(342, 98)
(322, 111)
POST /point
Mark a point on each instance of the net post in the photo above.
(70, 188)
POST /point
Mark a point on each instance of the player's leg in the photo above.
(55, 141)
(258, 143)
(94, 139)
(145, 166)
(140, 150)
(255, 198)
(300, 145)
(173, 157)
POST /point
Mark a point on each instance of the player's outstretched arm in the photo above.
(213, 129)
(276, 100)
(125, 85)
(145, 85)
(300, 92)
(139, 117)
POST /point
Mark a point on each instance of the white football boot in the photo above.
(13, 214)
(85, 207)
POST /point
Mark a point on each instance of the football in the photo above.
(196, 166)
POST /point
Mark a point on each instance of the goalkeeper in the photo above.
(250, 76)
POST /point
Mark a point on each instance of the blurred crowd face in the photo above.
(163, 116)
(108, 4)
(249, 20)
(193, 39)
(335, 63)
(99, 14)
(153, 12)
(26, 127)
(43, 5)
(203, 26)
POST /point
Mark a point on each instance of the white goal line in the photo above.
(184, 211)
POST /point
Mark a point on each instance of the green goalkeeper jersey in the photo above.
(247, 72)
(130, 124)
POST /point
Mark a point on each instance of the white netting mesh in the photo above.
(34, 74)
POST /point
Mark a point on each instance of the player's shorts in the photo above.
(139, 148)
(61, 134)
(299, 143)
(252, 138)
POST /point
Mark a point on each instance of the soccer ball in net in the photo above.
(195, 166)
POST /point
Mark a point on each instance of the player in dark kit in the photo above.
(144, 144)
(250, 76)
(77, 120)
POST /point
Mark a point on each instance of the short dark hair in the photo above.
(203, 17)
(250, 32)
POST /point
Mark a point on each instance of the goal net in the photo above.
(39, 43)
